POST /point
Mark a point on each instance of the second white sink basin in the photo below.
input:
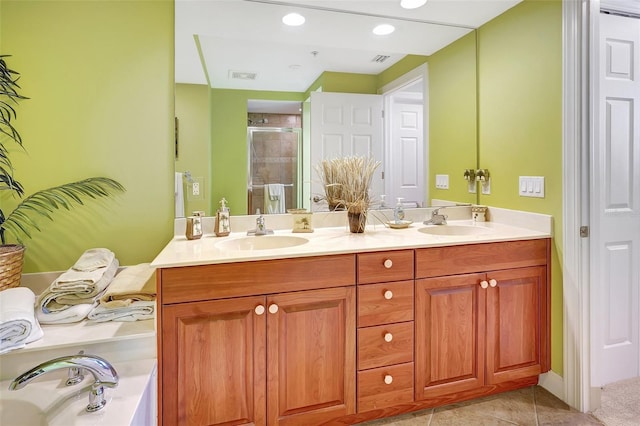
(455, 230)
(262, 242)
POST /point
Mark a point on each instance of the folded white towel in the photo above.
(73, 313)
(75, 287)
(138, 310)
(18, 324)
(93, 259)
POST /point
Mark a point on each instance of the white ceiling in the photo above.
(248, 36)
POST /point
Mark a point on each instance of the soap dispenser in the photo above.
(194, 226)
(398, 212)
(223, 223)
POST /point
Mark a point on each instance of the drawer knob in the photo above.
(484, 284)
(388, 379)
(273, 308)
(259, 310)
(388, 337)
(388, 295)
(388, 263)
(493, 282)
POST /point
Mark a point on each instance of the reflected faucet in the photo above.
(436, 218)
(103, 373)
(261, 226)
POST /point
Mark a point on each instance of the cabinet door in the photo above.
(514, 323)
(450, 331)
(311, 356)
(213, 361)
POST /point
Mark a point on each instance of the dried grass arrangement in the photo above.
(346, 182)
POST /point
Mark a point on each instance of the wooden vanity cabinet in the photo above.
(482, 319)
(282, 358)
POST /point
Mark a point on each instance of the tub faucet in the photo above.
(436, 218)
(103, 373)
(261, 226)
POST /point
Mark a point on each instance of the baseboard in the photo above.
(554, 383)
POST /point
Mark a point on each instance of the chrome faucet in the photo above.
(261, 226)
(103, 373)
(436, 218)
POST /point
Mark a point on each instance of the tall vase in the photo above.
(357, 221)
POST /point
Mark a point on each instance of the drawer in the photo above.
(385, 266)
(385, 303)
(375, 393)
(453, 260)
(195, 283)
(385, 345)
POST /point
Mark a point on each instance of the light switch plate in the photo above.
(531, 186)
(442, 181)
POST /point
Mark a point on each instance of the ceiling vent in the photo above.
(380, 58)
(242, 75)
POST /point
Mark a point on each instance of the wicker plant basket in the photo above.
(11, 258)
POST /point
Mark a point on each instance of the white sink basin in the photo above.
(262, 242)
(455, 230)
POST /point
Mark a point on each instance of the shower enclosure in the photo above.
(274, 164)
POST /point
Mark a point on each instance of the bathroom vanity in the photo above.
(346, 328)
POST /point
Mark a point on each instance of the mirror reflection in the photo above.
(236, 63)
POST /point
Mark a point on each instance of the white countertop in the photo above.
(338, 240)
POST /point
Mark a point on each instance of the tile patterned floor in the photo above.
(533, 406)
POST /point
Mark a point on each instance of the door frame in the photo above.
(388, 91)
(580, 112)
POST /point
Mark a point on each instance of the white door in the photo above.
(345, 124)
(615, 204)
(405, 173)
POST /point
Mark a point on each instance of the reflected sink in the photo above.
(262, 242)
(455, 230)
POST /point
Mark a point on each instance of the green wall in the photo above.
(192, 111)
(229, 143)
(520, 121)
(100, 78)
(452, 118)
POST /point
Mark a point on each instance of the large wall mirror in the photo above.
(247, 87)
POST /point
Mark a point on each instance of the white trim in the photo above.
(554, 383)
(577, 365)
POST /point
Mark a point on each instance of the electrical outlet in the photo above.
(195, 189)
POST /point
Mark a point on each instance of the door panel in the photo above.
(214, 362)
(450, 333)
(345, 124)
(311, 356)
(616, 205)
(514, 318)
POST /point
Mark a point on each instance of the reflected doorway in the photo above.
(275, 148)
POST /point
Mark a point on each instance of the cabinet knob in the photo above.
(388, 379)
(484, 284)
(388, 337)
(388, 263)
(259, 310)
(273, 308)
(388, 295)
(493, 282)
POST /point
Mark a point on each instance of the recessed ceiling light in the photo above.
(412, 4)
(293, 19)
(384, 29)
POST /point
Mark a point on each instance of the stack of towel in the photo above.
(130, 296)
(18, 324)
(75, 293)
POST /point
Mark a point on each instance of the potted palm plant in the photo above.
(22, 220)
